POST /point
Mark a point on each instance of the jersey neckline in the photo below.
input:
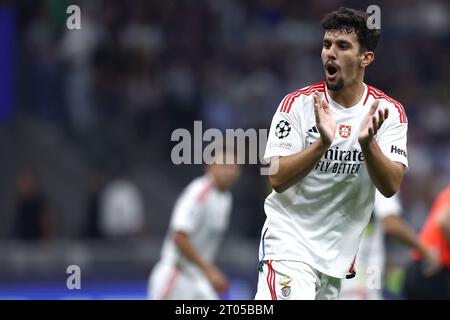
(337, 106)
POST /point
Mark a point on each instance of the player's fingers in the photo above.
(380, 117)
(218, 285)
(430, 270)
(317, 106)
(386, 113)
(316, 98)
(325, 105)
(374, 107)
(374, 125)
(380, 114)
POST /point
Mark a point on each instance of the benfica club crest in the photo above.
(286, 288)
(344, 130)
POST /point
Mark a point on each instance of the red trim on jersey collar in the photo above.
(325, 91)
(366, 89)
(205, 190)
(289, 99)
(378, 94)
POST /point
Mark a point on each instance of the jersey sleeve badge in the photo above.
(283, 129)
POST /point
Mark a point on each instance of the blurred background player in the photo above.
(186, 270)
(370, 261)
(121, 209)
(435, 235)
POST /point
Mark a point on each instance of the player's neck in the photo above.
(213, 181)
(348, 96)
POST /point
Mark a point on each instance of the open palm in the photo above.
(324, 119)
(372, 122)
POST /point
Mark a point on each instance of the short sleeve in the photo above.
(387, 206)
(285, 135)
(392, 140)
(187, 210)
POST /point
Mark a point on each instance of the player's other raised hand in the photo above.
(324, 119)
(372, 122)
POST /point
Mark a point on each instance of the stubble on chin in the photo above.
(335, 87)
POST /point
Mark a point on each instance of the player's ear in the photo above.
(367, 58)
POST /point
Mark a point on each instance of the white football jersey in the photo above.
(320, 220)
(202, 212)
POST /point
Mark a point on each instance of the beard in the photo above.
(335, 87)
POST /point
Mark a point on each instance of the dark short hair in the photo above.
(350, 20)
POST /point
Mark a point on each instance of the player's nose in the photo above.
(331, 53)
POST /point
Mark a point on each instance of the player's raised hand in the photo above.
(372, 122)
(324, 119)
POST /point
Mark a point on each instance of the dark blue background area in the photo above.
(7, 36)
(100, 287)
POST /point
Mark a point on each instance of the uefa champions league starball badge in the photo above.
(282, 129)
(286, 288)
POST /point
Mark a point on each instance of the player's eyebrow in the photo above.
(339, 42)
(344, 43)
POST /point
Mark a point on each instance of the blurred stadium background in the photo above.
(86, 118)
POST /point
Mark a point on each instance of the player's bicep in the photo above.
(185, 214)
(393, 140)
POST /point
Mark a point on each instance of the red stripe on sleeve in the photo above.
(171, 284)
(204, 192)
(378, 94)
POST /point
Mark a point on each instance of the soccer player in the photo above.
(186, 270)
(369, 266)
(330, 145)
(435, 235)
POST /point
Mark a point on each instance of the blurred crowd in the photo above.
(137, 70)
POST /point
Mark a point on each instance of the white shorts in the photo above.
(295, 280)
(168, 282)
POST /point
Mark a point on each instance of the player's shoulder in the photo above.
(199, 188)
(293, 101)
(396, 108)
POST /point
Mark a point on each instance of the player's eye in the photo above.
(326, 45)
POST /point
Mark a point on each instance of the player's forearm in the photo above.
(291, 169)
(387, 175)
(188, 250)
(396, 227)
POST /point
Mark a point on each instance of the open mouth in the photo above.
(331, 70)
